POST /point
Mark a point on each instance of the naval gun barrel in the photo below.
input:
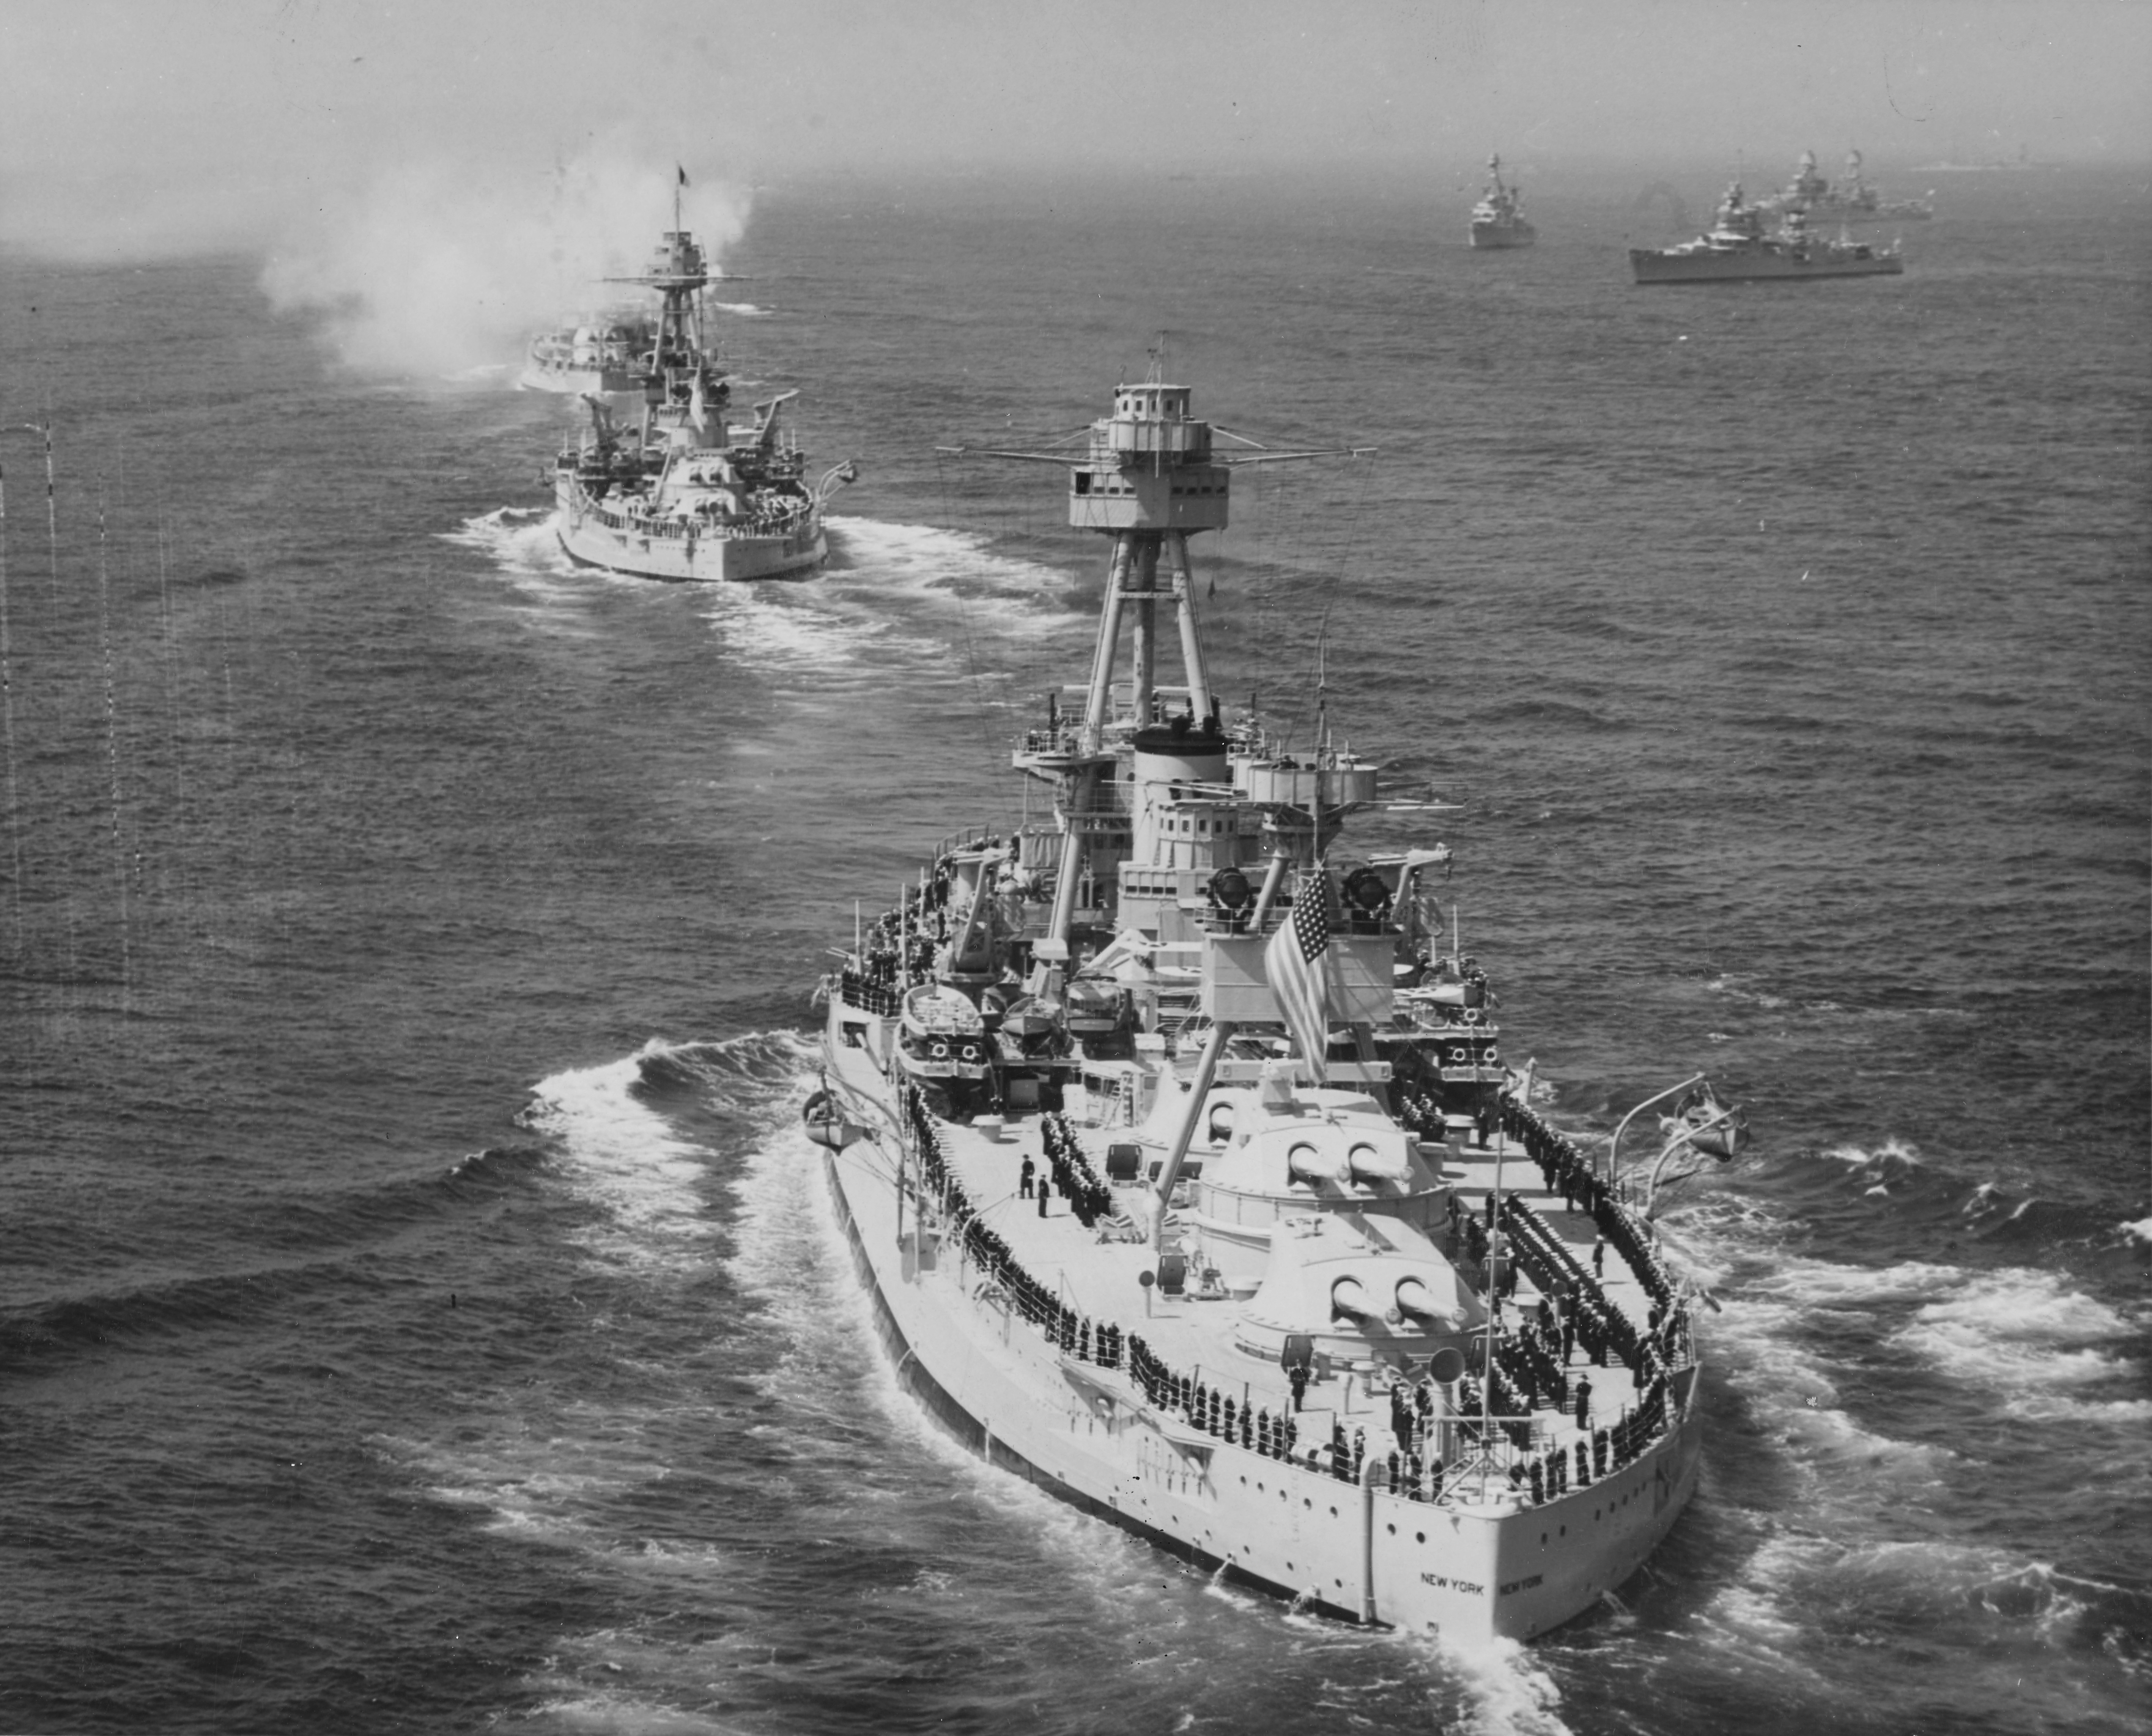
(1349, 1296)
(1370, 1164)
(1311, 1163)
(1417, 1302)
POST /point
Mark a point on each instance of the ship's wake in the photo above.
(900, 566)
(1869, 1393)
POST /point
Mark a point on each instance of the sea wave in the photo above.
(624, 1158)
(912, 563)
(519, 539)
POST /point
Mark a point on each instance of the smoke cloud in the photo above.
(437, 269)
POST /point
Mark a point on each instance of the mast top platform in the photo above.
(680, 266)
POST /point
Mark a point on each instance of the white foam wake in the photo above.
(518, 539)
(2032, 1338)
(927, 563)
(623, 1156)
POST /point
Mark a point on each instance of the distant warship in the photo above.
(680, 493)
(1496, 219)
(1851, 201)
(1737, 249)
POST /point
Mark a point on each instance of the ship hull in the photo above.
(591, 536)
(1771, 266)
(1491, 237)
(1467, 1571)
(569, 382)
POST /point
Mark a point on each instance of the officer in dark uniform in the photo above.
(1024, 1175)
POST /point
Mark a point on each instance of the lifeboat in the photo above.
(941, 1035)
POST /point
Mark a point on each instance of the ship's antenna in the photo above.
(1322, 692)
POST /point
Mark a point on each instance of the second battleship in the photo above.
(680, 493)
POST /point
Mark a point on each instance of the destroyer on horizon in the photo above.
(1289, 1301)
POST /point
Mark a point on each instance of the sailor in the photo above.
(1583, 1402)
(1045, 1193)
(1598, 1255)
(1296, 1373)
(1401, 1416)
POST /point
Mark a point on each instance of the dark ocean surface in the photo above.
(418, 1311)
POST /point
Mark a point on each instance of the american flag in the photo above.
(1294, 963)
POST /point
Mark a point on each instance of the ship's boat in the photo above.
(1738, 248)
(606, 352)
(681, 493)
(1497, 220)
(1174, 1150)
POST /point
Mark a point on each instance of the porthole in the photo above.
(1393, 1530)
(1334, 1513)
(1420, 1536)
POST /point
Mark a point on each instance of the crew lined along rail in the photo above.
(1525, 1371)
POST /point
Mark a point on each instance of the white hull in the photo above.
(1494, 236)
(1085, 1434)
(574, 382)
(593, 537)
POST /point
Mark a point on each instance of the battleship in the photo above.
(606, 352)
(1849, 200)
(1176, 1149)
(1496, 219)
(1737, 249)
(680, 492)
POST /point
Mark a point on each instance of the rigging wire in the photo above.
(7, 714)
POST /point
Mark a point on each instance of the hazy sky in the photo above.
(437, 177)
(155, 123)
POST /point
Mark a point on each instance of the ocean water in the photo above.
(420, 1311)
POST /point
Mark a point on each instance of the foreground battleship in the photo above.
(1851, 201)
(681, 494)
(1497, 221)
(1176, 1149)
(1737, 249)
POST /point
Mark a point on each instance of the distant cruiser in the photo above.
(680, 495)
(1737, 249)
(1851, 200)
(1496, 219)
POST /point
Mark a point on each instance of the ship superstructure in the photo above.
(1740, 248)
(680, 493)
(602, 352)
(1850, 199)
(1175, 1147)
(1498, 220)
